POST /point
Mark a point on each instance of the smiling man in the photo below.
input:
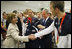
(64, 30)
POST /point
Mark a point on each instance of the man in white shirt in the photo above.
(57, 9)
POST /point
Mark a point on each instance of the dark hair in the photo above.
(3, 13)
(58, 4)
(46, 10)
(42, 9)
(27, 10)
(15, 11)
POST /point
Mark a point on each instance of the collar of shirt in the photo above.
(47, 18)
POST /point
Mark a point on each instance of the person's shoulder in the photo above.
(10, 26)
(68, 16)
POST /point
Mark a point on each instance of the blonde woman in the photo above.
(12, 36)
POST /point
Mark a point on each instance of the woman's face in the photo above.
(20, 16)
(14, 20)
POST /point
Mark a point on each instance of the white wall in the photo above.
(21, 5)
(9, 6)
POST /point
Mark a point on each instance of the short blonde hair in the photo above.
(10, 17)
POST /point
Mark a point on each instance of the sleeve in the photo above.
(45, 31)
(56, 34)
(69, 40)
(16, 36)
(36, 22)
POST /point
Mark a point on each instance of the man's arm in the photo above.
(45, 31)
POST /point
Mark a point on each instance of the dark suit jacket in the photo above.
(66, 25)
(48, 22)
(46, 40)
(30, 29)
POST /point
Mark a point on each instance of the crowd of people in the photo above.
(37, 29)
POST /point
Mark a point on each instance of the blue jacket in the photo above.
(31, 29)
(66, 25)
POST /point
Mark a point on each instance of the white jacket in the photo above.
(13, 37)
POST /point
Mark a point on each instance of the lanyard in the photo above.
(29, 19)
(61, 22)
(60, 28)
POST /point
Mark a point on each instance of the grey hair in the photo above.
(46, 10)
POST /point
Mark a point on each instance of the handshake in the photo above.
(31, 36)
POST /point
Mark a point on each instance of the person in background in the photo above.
(34, 14)
(31, 29)
(20, 22)
(45, 41)
(15, 11)
(3, 25)
(39, 15)
(7, 24)
(51, 16)
(26, 16)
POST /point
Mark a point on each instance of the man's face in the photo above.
(44, 15)
(53, 10)
(5, 16)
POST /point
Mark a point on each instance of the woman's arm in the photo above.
(15, 35)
